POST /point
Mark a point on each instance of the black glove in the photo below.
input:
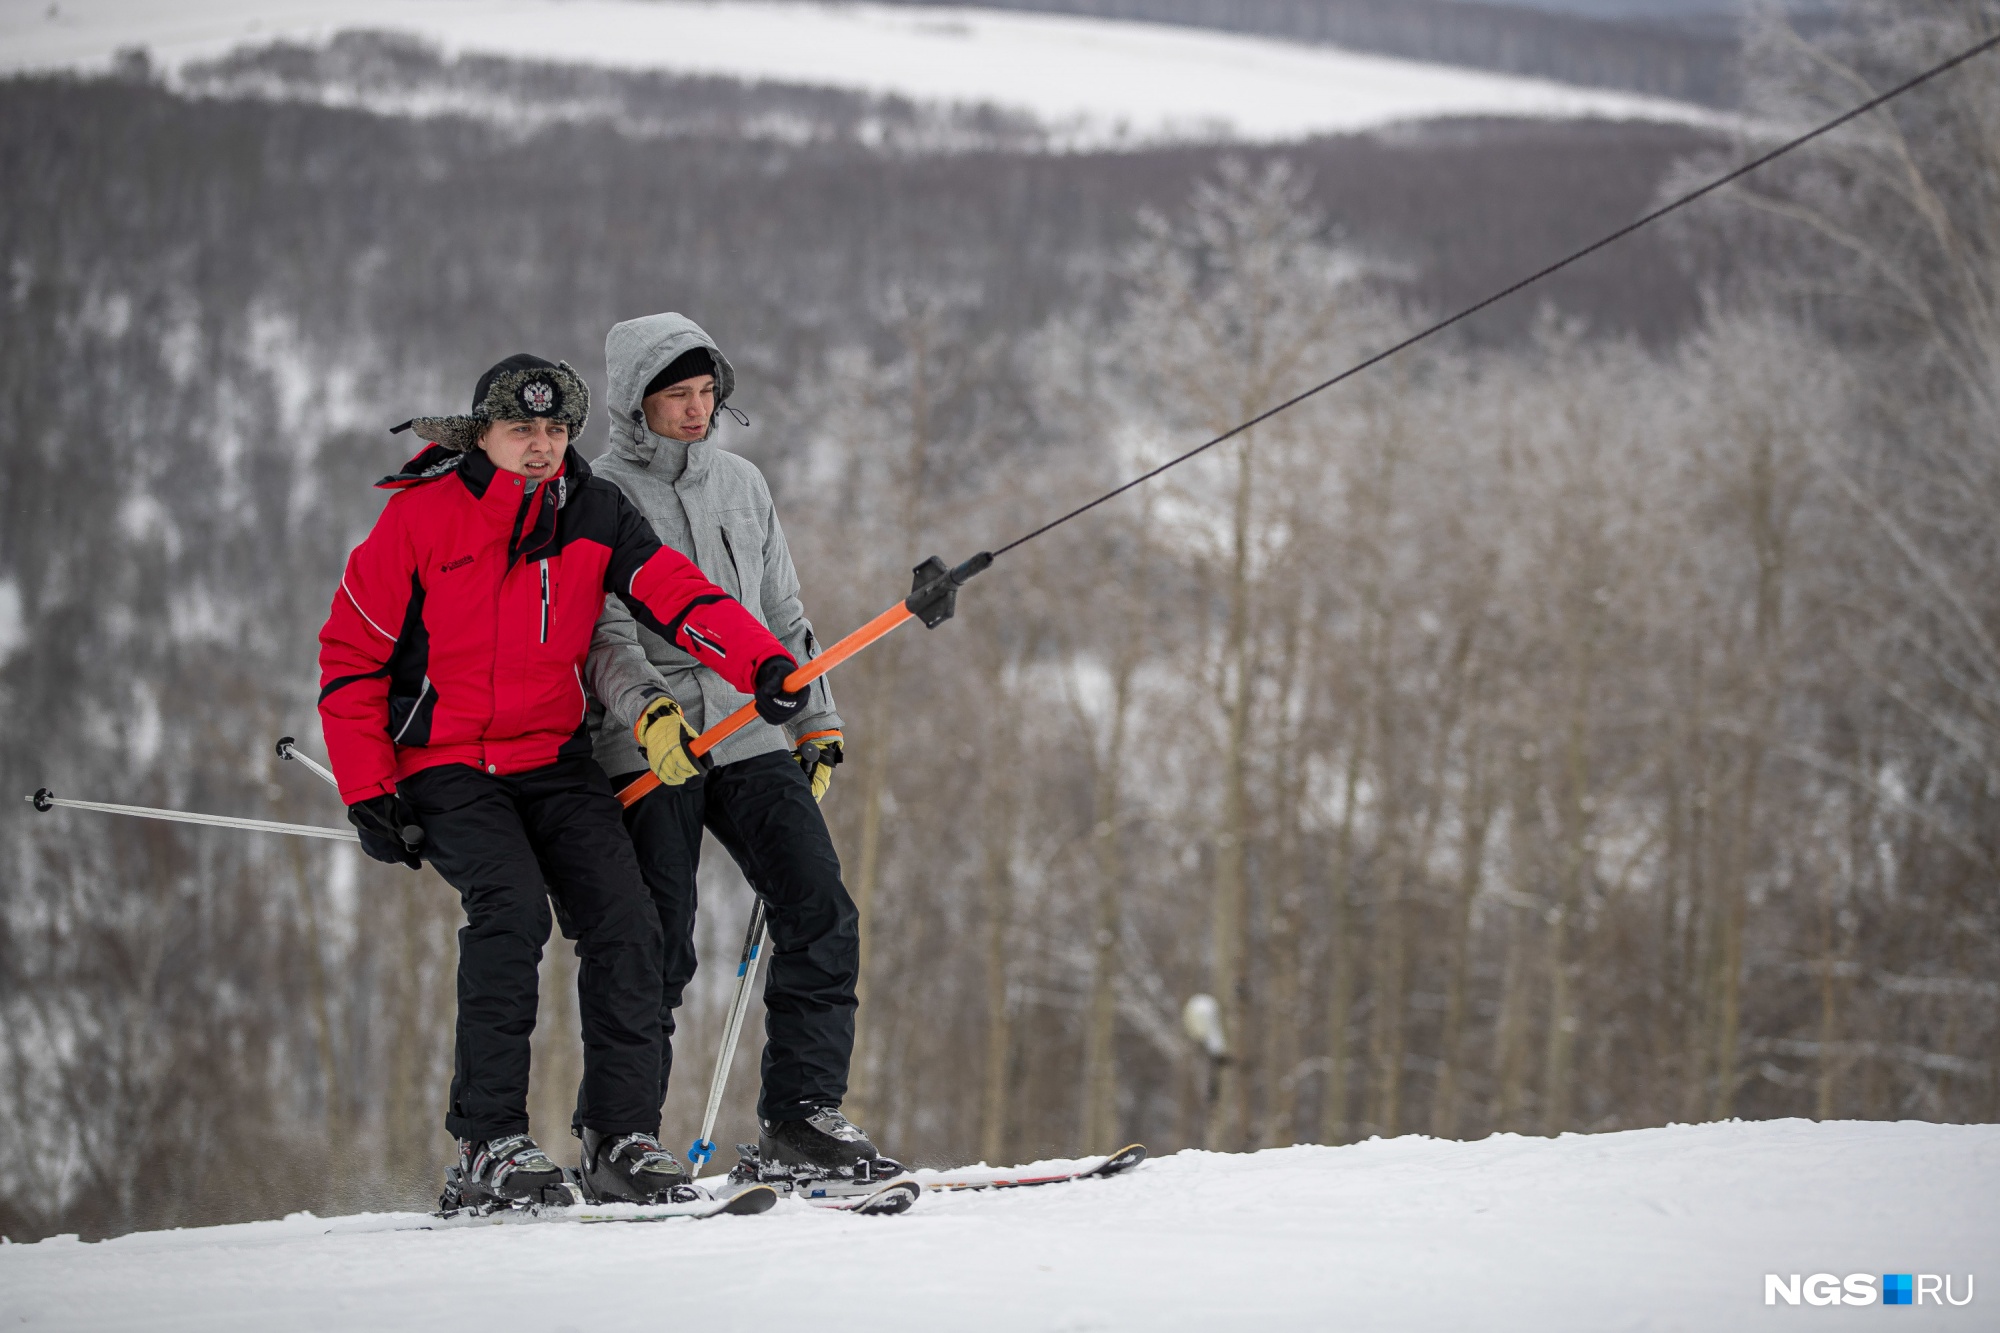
(776, 704)
(389, 832)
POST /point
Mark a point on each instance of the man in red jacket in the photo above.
(454, 712)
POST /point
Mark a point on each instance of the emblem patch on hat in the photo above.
(538, 396)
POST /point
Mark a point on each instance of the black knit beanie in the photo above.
(694, 361)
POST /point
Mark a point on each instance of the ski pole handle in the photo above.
(288, 749)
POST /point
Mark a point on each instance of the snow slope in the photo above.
(1648, 1229)
(1098, 82)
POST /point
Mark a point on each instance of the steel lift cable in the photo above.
(1647, 220)
(932, 597)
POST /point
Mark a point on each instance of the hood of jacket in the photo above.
(639, 349)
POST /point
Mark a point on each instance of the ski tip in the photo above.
(889, 1200)
(1124, 1159)
(755, 1199)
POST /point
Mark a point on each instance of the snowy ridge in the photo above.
(1094, 83)
(1646, 1229)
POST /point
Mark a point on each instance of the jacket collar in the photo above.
(478, 474)
(434, 462)
(537, 515)
(658, 453)
(532, 519)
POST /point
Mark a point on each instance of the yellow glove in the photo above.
(663, 732)
(818, 754)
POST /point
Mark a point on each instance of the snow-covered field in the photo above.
(1096, 82)
(1648, 1229)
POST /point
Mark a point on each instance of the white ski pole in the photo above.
(288, 749)
(46, 800)
(703, 1148)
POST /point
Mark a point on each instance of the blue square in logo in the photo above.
(1895, 1289)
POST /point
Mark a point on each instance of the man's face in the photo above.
(682, 411)
(531, 448)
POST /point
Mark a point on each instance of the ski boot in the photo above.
(824, 1144)
(506, 1172)
(631, 1168)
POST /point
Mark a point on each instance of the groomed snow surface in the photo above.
(1095, 82)
(1648, 1229)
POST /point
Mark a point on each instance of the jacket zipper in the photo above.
(545, 601)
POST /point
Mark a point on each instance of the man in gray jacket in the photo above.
(668, 382)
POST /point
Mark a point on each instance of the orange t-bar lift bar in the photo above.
(933, 598)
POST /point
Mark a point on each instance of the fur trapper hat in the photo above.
(518, 389)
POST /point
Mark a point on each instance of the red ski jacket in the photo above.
(462, 622)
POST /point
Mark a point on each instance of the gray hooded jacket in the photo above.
(714, 508)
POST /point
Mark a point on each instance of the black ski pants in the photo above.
(507, 844)
(762, 812)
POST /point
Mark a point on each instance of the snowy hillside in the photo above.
(1649, 1229)
(1095, 81)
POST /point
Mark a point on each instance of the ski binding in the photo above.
(871, 1189)
(567, 1203)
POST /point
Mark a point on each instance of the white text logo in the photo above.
(1860, 1289)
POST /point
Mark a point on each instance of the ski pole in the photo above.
(288, 748)
(933, 599)
(45, 800)
(703, 1147)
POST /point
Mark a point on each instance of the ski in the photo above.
(1008, 1178)
(742, 1203)
(746, 1203)
(865, 1199)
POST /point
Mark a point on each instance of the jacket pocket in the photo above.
(743, 547)
(410, 716)
(735, 566)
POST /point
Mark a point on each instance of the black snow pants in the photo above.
(507, 844)
(762, 812)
